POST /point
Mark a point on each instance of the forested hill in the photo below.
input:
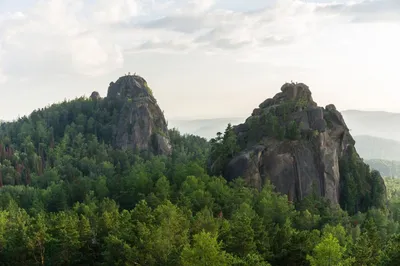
(102, 181)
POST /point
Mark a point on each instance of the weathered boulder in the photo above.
(256, 112)
(141, 124)
(95, 96)
(247, 164)
(131, 87)
(291, 92)
(297, 91)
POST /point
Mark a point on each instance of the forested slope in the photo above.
(71, 196)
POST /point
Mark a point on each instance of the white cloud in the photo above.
(163, 45)
(91, 37)
(199, 5)
(93, 58)
(367, 10)
(106, 11)
(225, 29)
(52, 38)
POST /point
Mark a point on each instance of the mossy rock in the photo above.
(160, 132)
(148, 88)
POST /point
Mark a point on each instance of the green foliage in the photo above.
(329, 253)
(148, 88)
(274, 123)
(267, 125)
(160, 132)
(67, 197)
(360, 188)
(302, 102)
(292, 131)
(390, 255)
(206, 250)
(392, 187)
(223, 148)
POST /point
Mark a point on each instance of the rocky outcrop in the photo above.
(140, 124)
(294, 143)
(95, 96)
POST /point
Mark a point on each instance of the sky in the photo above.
(202, 58)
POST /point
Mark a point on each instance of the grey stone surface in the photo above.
(296, 167)
(141, 124)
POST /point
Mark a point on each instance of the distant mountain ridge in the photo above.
(206, 128)
(371, 147)
(387, 168)
(373, 123)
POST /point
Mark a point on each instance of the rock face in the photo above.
(95, 96)
(294, 143)
(141, 124)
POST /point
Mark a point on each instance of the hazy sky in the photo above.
(202, 58)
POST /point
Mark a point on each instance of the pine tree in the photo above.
(205, 251)
(328, 252)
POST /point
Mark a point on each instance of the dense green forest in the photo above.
(68, 197)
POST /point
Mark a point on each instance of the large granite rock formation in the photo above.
(141, 124)
(294, 143)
